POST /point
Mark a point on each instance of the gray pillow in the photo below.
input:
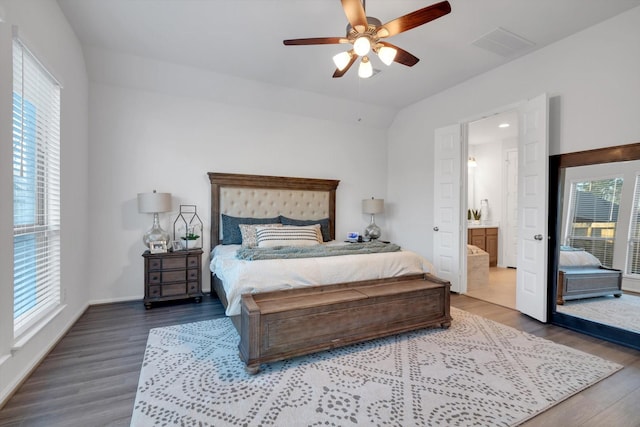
(231, 234)
(324, 225)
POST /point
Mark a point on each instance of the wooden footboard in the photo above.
(284, 324)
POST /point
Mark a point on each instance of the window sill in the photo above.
(26, 336)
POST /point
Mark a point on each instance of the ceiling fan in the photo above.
(365, 33)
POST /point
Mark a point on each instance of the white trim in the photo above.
(11, 388)
(32, 331)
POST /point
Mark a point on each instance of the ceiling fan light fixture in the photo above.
(366, 69)
(342, 60)
(387, 54)
(362, 46)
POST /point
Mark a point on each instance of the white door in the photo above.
(446, 205)
(533, 164)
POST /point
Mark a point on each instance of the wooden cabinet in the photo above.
(172, 276)
(486, 238)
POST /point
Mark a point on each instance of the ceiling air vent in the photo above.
(503, 43)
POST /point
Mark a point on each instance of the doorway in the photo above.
(493, 194)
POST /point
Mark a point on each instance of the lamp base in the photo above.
(372, 231)
(155, 233)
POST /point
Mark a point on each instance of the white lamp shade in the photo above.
(342, 60)
(362, 45)
(387, 55)
(372, 206)
(365, 70)
(154, 202)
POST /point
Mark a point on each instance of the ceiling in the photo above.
(488, 129)
(244, 38)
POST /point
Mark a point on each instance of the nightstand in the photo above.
(172, 276)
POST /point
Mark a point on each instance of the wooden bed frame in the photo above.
(281, 324)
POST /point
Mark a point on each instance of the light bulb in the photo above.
(342, 60)
(362, 45)
(365, 70)
(387, 54)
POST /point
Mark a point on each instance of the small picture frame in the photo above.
(176, 245)
(158, 247)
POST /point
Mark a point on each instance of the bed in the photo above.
(278, 305)
(581, 275)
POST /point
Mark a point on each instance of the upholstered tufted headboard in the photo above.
(259, 196)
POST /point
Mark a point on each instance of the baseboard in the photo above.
(112, 300)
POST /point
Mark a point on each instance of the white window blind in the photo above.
(633, 247)
(36, 190)
(593, 216)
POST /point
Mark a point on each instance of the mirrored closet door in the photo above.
(594, 245)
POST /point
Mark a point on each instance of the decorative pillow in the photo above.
(288, 236)
(231, 231)
(324, 225)
(249, 237)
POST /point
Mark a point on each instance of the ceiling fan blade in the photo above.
(355, 14)
(315, 40)
(340, 73)
(402, 56)
(414, 19)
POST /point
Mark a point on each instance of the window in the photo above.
(593, 216)
(633, 244)
(36, 190)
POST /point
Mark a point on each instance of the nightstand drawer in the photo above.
(173, 263)
(192, 274)
(160, 277)
(175, 289)
(169, 263)
(173, 276)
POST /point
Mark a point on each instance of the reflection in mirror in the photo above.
(595, 245)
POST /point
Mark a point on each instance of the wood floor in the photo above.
(500, 290)
(90, 378)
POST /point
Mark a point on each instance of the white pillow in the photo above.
(248, 231)
(268, 237)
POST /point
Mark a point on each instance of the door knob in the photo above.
(538, 237)
(435, 229)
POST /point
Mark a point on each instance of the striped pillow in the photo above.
(248, 231)
(269, 237)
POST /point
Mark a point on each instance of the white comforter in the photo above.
(239, 277)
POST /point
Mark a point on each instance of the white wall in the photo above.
(145, 135)
(591, 77)
(46, 32)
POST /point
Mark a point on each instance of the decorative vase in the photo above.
(191, 244)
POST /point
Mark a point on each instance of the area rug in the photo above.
(623, 312)
(477, 372)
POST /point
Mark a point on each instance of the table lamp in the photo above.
(372, 206)
(154, 203)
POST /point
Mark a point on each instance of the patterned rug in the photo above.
(623, 312)
(477, 372)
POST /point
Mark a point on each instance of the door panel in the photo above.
(533, 165)
(510, 251)
(446, 205)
